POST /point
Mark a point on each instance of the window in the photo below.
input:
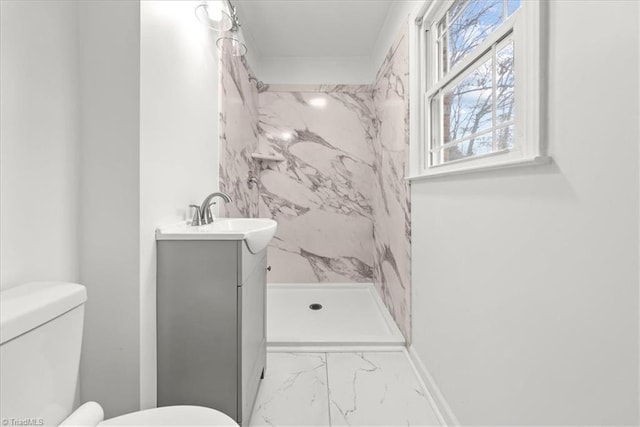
(480, 85)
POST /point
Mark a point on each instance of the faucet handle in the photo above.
(196, 216)
(208, 214)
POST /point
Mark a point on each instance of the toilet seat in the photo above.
(91, 414)
(172, 416)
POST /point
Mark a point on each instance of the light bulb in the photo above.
(214, 11)
(213, 15)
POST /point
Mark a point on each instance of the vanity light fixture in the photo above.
(222, 16)
(213, 16)
(231, 45)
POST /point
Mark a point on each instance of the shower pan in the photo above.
(328, 315)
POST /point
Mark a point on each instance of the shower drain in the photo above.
(315, 306)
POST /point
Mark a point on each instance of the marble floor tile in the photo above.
(381, 389)
(293, 392)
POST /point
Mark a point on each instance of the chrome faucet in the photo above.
(205, 208)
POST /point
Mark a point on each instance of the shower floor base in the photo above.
(352, 315)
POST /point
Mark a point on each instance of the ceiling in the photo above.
(312, 28)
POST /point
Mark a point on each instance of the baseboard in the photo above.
(442, 407)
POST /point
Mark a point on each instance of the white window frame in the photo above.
(524, 27)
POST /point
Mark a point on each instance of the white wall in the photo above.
(150, 115)
(525, 287)
(109, 128)
(337, 69)
(39, 141)
(399, 12)
(178, 143)
(109, 37)
(314, 70)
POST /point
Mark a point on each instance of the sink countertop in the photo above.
(256, 231)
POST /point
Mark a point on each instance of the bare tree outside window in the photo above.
(476, 112)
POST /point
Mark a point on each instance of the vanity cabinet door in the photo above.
(197, 311)
(211, 311)
(252, 332)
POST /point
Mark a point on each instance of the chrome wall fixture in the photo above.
(222, 17)
(234, 16)
(259, 83)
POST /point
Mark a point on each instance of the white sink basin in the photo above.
(257, 232)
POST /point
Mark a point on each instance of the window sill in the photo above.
(539, 160)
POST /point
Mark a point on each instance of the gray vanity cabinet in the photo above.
(211, 324)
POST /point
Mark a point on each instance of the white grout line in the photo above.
(326, 366)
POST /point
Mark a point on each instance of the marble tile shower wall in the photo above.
(321, 193)
(238, 137)
(391, 204)
(339, 196)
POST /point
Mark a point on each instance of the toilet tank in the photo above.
(40, 341)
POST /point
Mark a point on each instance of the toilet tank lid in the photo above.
(30, 305)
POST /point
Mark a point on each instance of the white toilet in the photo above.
(40, 341)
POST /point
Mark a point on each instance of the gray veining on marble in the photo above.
(293, 392)
(367, 389)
